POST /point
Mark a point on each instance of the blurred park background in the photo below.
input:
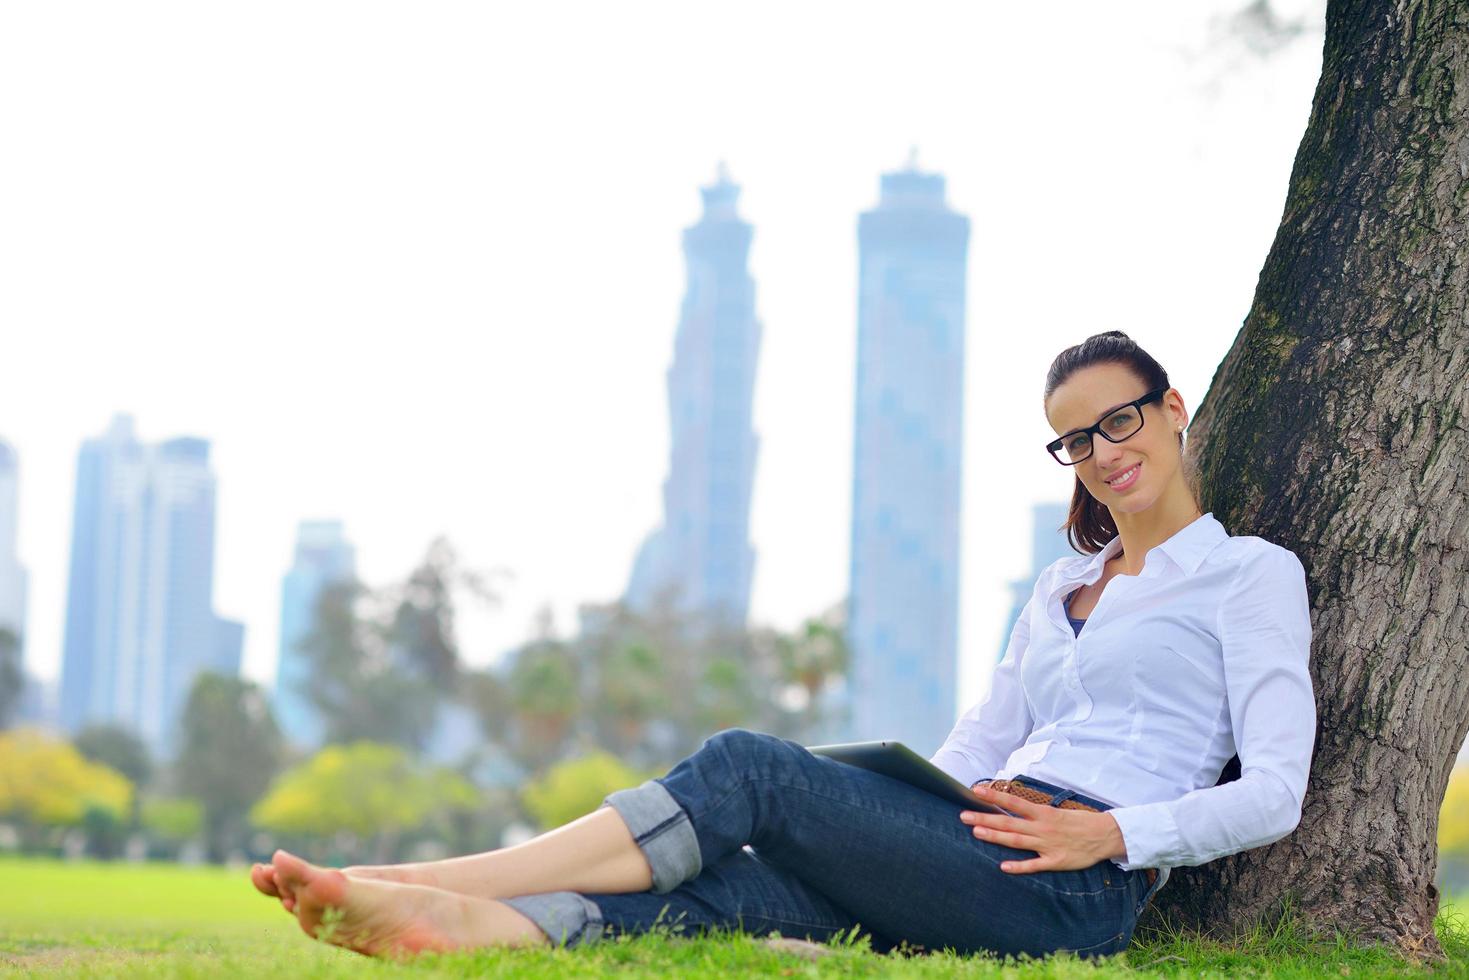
(417, 424)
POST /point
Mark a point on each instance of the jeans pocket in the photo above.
(1102, 878)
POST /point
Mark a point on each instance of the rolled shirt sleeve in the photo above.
(1264, 625)
(985, 735)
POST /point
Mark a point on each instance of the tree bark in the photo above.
(1336, 427)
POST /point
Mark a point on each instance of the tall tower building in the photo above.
(1047, 544)
(13, 581)
(700, 556)
(904, 592)
(323, 558)
(140, 624)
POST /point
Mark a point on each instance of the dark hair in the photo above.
(1089, 525)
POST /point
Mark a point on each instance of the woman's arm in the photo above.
(1265, 629)
(999, 723)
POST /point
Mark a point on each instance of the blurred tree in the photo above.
(12, 677)
(47, 782)
(172, 819)
(361, 693)
(740, 683)
(730, 693)
(383, 662)
(571, 789)
(106, 831)
(655, 683)
(811, 658)
(545, 699)
(370, 790)
(633, 693)
(813, 654)
(118, 748)
(422, 629)
(1453, 826)
(1453, 833)
(231, 749)
(488, 695)
(641, 673)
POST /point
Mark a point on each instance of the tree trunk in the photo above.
(1336, 427)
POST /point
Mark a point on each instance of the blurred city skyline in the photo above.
(420, 272)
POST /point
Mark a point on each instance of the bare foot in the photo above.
(384, 918)
(263, 877)
(403, 874)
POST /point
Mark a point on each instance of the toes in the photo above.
(282, 889)
(263, 879)
(263, 876)
(288, 897)
(291, 873)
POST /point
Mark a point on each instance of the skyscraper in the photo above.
(904, 592)
(323, 558)
(229, 647)
(701, 555)
(1047, 544)
(12, 576)
(140, 624)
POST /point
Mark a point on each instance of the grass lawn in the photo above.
(166, 921)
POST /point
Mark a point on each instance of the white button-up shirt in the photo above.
(1201, 656)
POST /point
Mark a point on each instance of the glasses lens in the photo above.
(1122, 423)
(1077, 447)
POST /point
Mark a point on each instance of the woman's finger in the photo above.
(1023, 842)
(998, 821)
(1029, 866)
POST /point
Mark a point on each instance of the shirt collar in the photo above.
(1191, 544)
(1187, 549)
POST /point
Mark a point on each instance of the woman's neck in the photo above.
(1144, 531)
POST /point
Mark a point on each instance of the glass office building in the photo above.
(902, 624)
(13, 580)
(323, 558)
(140, 624)
(700, 558)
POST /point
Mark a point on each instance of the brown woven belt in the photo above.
(1032, 795)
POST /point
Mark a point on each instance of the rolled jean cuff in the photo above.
(661, 828)
(567, 918)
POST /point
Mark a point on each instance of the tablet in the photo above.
(897, 761)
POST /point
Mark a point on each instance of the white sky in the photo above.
(417, 266)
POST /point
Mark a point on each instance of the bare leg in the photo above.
(594, 854)
(382, 918)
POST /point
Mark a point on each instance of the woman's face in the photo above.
(1086, 398)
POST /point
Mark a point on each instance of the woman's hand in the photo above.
(1063, 840)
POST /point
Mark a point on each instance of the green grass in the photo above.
(166, 921)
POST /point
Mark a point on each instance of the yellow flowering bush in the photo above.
(46, 781)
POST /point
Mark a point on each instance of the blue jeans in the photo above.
(835, 849)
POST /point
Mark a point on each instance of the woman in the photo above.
(1134, 673)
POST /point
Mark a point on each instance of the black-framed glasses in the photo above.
(1121, 423)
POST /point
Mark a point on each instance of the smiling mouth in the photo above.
(1126, 478)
